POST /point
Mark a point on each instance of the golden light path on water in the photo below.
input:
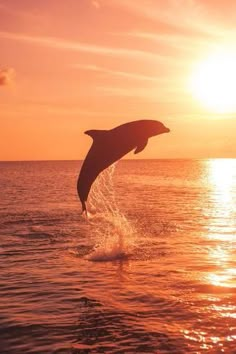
(222, 181)
(220, 274)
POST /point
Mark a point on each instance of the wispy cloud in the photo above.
(122, 74)
(153, 94)
(96, 4)
(187, 15)
(45, 109)
(76, 46)
(6, 76)
(173, 40)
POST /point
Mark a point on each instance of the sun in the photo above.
(213, 81)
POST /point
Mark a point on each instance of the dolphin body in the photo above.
(111, 145)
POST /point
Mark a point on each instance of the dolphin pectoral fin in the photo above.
(95, 133)
(141, 146)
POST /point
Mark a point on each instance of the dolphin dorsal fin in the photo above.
(141, 146)
(95, 134)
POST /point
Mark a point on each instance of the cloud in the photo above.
(150, 94)
(118, 73)
(6, 76)
(76, 46)
(96, 4)
(182, 41)
(190, 16)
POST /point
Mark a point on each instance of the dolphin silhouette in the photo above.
(111, 145)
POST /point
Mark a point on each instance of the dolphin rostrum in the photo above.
(111, 145)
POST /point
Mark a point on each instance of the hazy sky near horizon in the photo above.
(68, 66)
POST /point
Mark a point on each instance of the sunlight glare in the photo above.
(213, 81)
(223, 279)
(222, 180)
(222, 174)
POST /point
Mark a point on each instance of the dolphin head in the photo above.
(155, 127)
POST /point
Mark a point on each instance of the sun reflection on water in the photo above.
(222, 173)
(222, 180)
(221, 221)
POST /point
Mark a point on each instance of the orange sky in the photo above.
(71, 65)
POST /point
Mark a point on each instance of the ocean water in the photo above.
(151, 270)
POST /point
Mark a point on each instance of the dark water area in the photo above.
(152, 270)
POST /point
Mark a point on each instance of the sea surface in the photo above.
(151, 270)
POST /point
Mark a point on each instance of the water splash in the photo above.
(102, 195)
(113, 234)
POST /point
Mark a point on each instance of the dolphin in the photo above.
(111, 145)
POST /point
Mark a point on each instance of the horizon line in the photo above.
(135, 160)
